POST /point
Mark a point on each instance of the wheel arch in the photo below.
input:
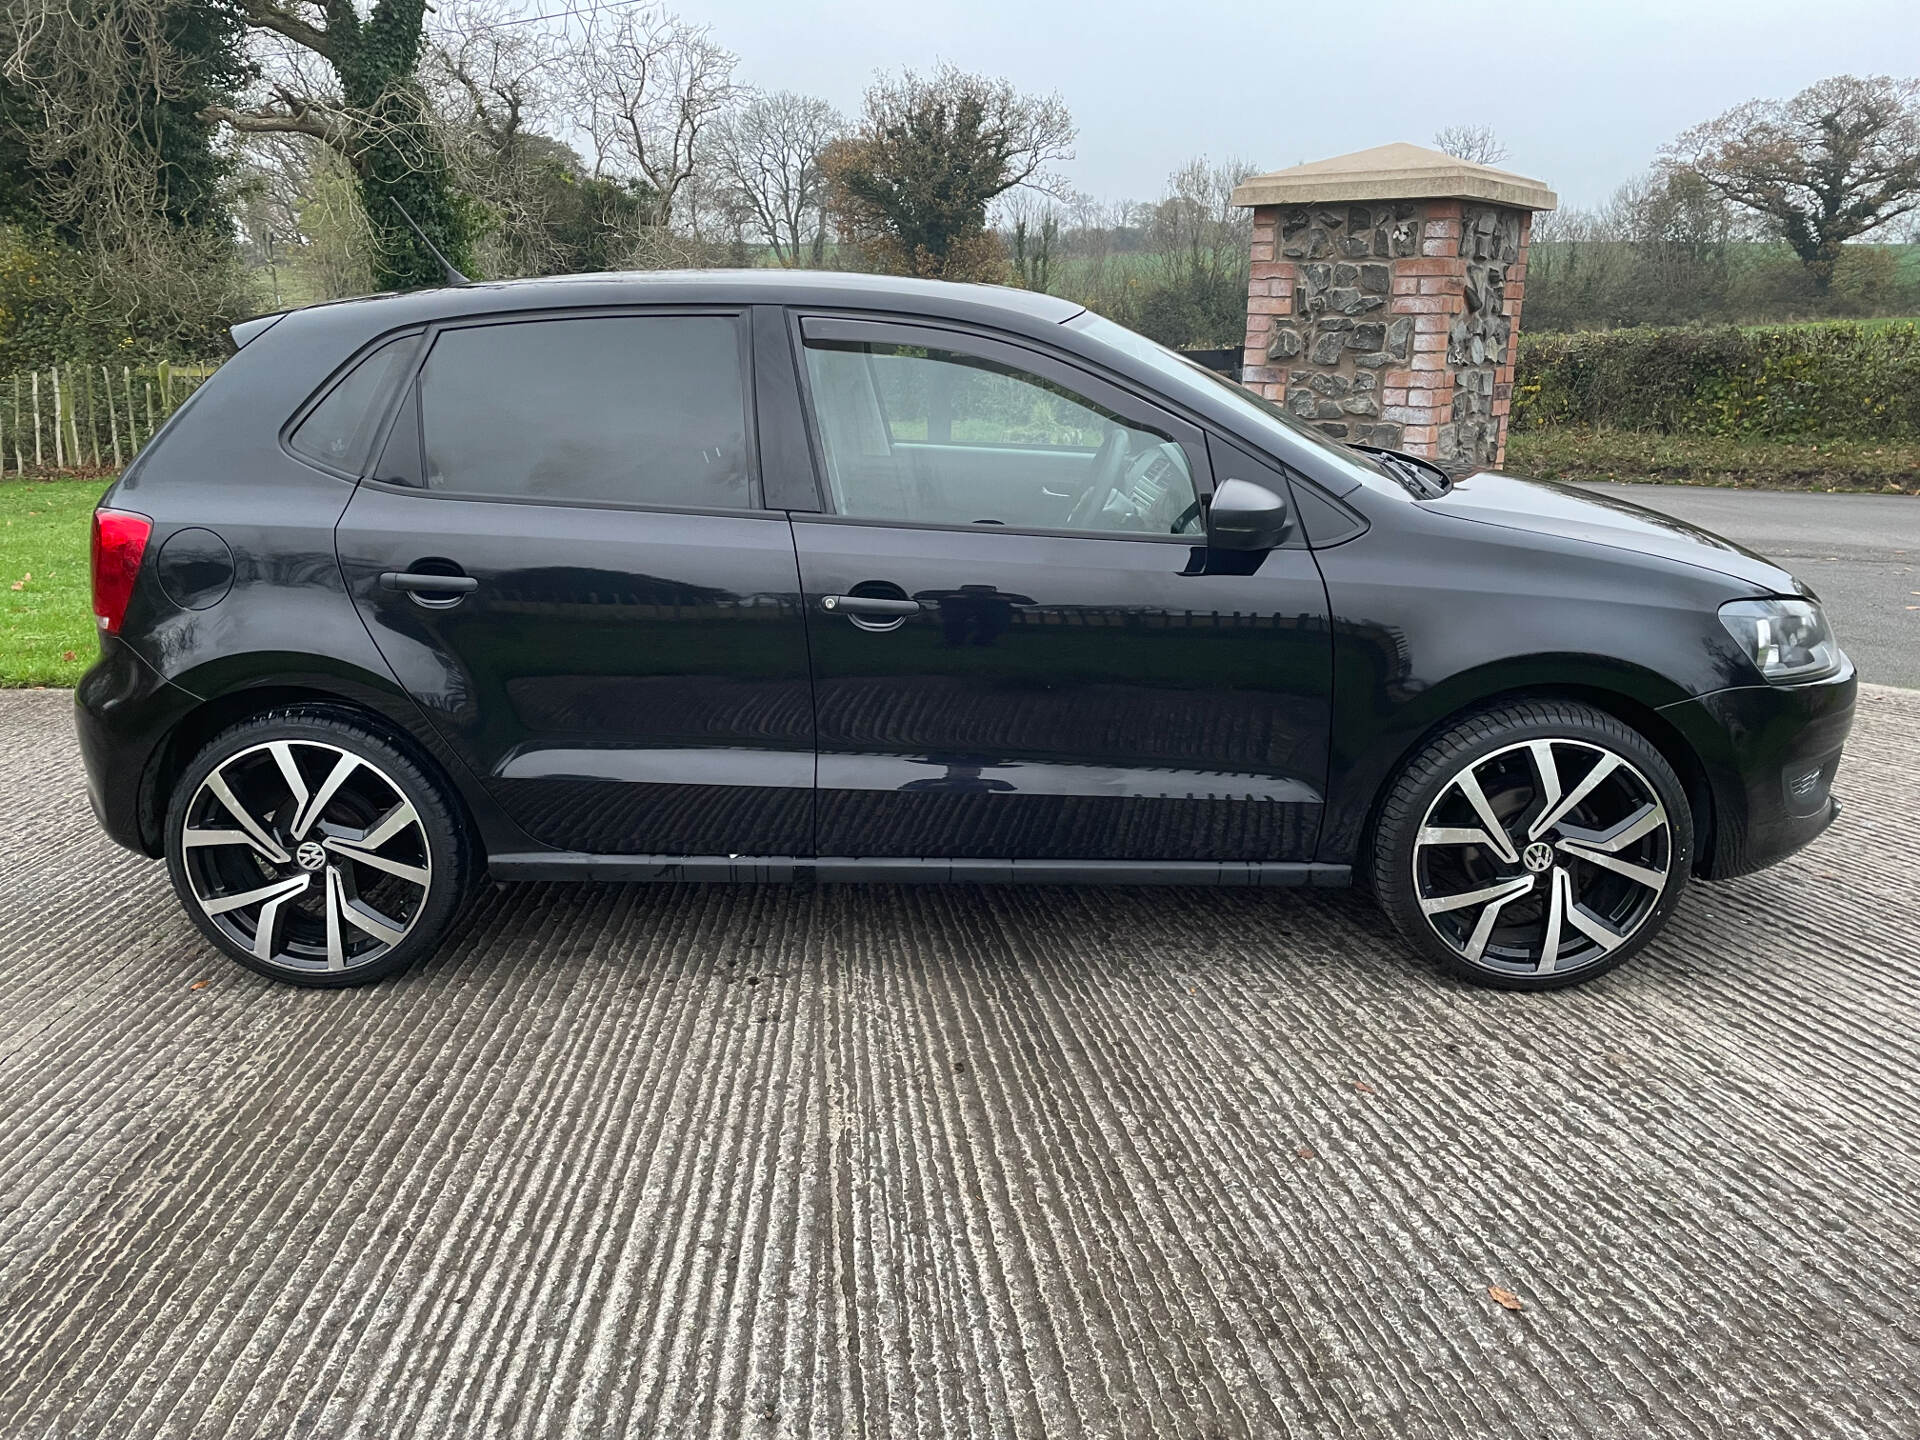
(1641, 716)
(191, 733)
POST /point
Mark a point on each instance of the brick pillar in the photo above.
(1391, 321)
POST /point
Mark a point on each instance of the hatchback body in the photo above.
(763, 576)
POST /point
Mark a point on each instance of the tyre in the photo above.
(310, 848)
(1533, 845)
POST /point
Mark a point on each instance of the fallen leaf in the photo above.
(1363, 1087)
(1505, 1297)
(19, 584)
(1305, 1152)
(68, 655)
(199, 985)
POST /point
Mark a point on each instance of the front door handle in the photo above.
(869, 605)
(411, 580)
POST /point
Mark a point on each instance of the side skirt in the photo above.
(785, 870)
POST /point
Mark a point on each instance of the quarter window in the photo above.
(925, 434)
(339, 430)
(647, 410)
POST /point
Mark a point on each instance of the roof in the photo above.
(705, 287)
(1394, 172)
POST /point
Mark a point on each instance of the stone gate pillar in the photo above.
(1385, 298)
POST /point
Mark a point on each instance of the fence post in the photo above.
(59, 422)
(147, 385)
(93, 416)
(133, 425)
(36, 420)
(113, 421)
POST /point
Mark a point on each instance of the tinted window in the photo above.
(924, 434)
(635, 409)
(339, 430)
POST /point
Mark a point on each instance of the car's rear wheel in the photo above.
(1533, 845)
(313, 849)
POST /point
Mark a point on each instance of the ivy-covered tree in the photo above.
(377, 121)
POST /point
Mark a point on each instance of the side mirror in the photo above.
(1246, 516)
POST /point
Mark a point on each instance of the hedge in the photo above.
(1833, 380)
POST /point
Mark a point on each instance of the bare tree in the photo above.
(1474, 143)
(655, 85)
(770, 152)
(1837, 161)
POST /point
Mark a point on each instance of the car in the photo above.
(765, 576)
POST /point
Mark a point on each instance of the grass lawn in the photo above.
(1864, 466)
(46, 607)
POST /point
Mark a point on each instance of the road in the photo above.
(1861, 553)
(893, 1162)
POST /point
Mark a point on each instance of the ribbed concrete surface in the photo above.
(900, 1163)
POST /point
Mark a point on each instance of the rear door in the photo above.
(617, 650)
(1022, 646)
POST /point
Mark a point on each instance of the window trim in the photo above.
(743, 333)
(873, 328)
(386, 404)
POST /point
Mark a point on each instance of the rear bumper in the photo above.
(123, 713)
(1770, 753)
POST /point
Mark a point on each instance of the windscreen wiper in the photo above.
(1422, 478)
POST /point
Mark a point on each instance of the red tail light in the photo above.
(119, 540)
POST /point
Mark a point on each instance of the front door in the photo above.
(618, 651)
(1022, 647)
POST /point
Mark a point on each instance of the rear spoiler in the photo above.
(249, 329)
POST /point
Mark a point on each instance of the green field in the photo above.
(1575, 453)
(46, 620)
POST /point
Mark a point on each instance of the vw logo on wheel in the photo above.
(1537, 857)
(310, 855)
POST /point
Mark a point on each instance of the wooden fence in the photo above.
(88, 416)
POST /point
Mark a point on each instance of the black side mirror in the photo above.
(1246, 516)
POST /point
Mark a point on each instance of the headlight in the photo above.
(1785, 639)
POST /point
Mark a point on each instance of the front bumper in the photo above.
(124, 712)
(1770, 753)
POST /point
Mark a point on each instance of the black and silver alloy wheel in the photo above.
(1542, 857)
(313, 852)
(1534, 845)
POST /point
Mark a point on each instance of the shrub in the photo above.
(1841, 379)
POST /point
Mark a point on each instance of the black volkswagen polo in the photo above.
(810, 577)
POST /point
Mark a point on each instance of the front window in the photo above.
(939, 436)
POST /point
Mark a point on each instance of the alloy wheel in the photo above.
(306, 856)
(1542, 858)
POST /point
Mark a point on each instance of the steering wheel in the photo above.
(1180, 523)
(1109, 467)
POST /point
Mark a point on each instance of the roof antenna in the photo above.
(454, 277)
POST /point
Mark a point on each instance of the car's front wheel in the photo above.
(313, 849)
(1533, 845)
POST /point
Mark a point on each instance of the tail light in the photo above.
(119, 540)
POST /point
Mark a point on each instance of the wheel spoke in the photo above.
(1457, 835)
(357, 914)
(1552, 815)
(282, 753)
(1560, 901)
(1469, 786)
(383, 829)
(310, 812)
(1590, 926)
(196, 839)
(1489, 917)
(336, 901)
(266, 932)
(279, 889)
(1546, 772)
(1644, 875)
(1504, 891)
(417, 874)
(255, 831)
(1641, 823)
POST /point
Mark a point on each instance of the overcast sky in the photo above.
(1583, 92)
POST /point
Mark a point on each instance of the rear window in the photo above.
(339, 431)
(631, 409)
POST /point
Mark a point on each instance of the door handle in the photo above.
(869, 605)
(412, 580)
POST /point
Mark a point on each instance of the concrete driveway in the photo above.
(1860, 553)
(897, 1163)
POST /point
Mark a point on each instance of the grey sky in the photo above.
(1583, 93)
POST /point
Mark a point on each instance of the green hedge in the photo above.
(1839, 379)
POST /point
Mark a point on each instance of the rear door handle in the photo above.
(444, 584)
(869, 605)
